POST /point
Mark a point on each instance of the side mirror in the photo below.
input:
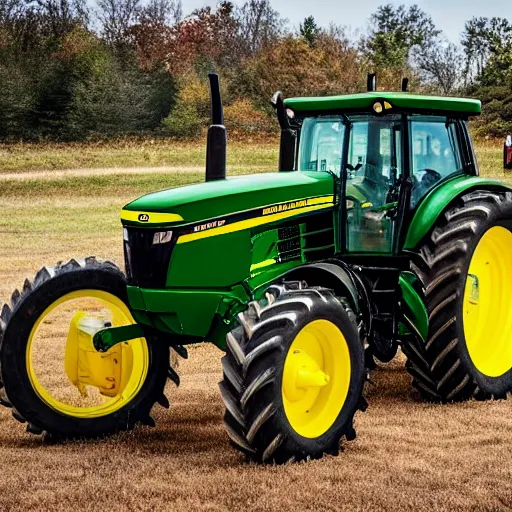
(277, 103)
(288, 136)
(507, 153)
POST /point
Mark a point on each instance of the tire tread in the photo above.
(254, 364)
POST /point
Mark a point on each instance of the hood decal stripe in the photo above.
(266, 215)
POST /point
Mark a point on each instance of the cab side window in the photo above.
(435, 152)
(321, 144)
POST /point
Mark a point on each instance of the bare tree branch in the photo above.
(116, 17)
(259, 24)
(164, 12)
(441, 63)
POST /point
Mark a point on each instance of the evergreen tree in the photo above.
(309, 30)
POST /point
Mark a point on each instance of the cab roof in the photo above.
(398, 101)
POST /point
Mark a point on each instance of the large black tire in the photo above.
(16, 323)
(442, 368)
(255, 418)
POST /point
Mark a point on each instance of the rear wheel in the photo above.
(466, 272)
(293, 375)
(54, 378)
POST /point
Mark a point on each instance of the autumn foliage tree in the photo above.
(206, 34)
(74, 69)
(299, 69)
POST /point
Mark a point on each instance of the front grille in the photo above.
(311, 240)
(293, 244)
(289, 245)
(318, 235)
(146, 263)
(288, 232)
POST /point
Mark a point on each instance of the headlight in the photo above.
(162, 237)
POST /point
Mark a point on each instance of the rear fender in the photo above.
(436, 202)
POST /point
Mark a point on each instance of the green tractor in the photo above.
(376, 233)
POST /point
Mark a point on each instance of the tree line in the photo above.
(73, 70)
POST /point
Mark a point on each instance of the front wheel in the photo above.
(53, 377)
(293, 375)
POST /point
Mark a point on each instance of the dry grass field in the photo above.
(408, 455)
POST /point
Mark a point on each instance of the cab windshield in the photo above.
(375, 150)
(375, 167)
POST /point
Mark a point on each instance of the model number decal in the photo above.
(285, 207)
(209, 225)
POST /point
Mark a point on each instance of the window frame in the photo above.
(465, 156)
(458, 152)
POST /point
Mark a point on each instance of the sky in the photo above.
(448, 15)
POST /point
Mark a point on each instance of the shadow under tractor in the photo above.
(376, 233)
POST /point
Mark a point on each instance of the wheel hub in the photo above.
(316, 377)
(301, 373)
(486, 308)
(85, 366)
(60, 352)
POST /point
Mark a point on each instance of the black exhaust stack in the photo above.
(371, 82)
(217, 135)
(288, 135)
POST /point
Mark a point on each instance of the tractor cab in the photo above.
(387, 151)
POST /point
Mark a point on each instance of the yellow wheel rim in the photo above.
(54, 387)
(487, 312)
(316, 378)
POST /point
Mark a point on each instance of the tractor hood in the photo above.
(207, 201)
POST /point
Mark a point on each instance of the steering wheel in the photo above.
(430, 177)
(428, 180)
